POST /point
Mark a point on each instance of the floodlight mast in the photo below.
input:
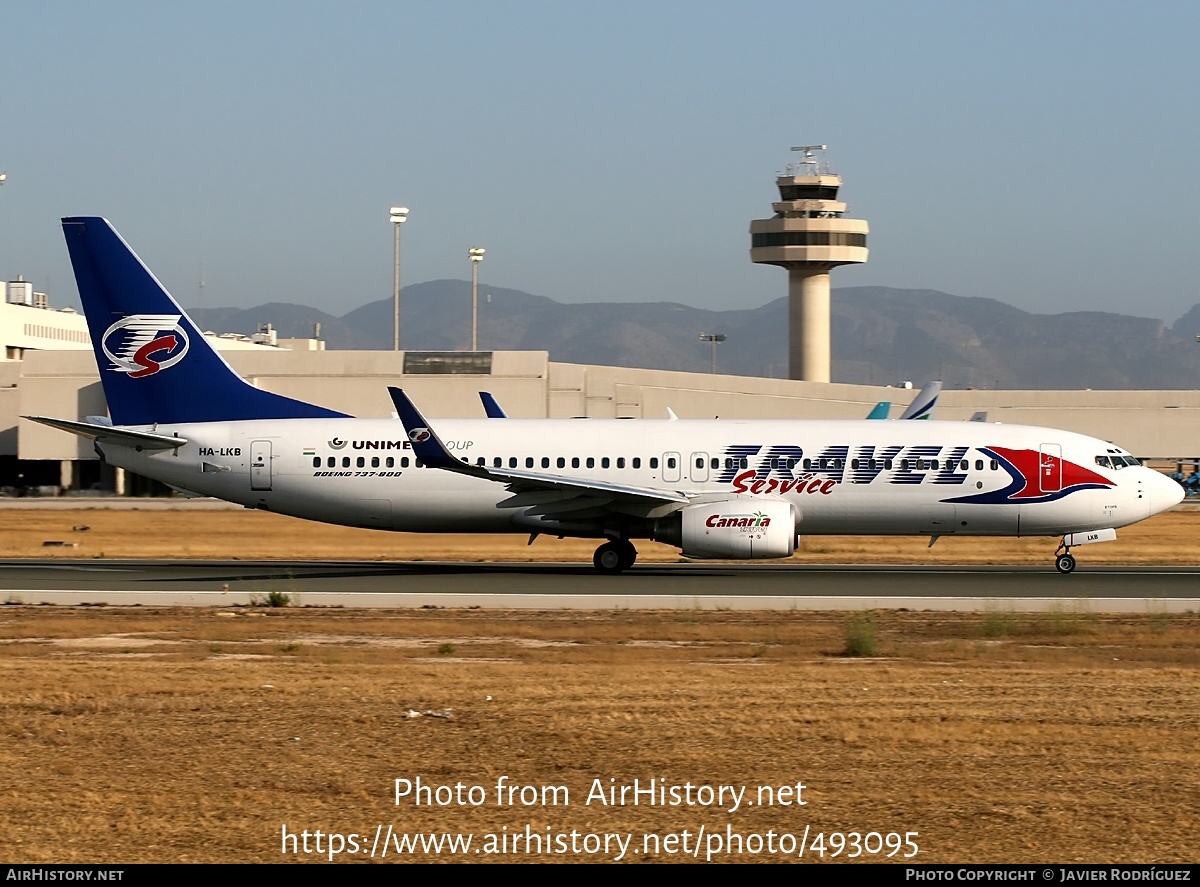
(475, 256)
(714, 338)
(397, 214)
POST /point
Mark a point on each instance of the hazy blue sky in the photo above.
(1041, 153)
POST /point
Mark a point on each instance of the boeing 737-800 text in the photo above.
(733, 489)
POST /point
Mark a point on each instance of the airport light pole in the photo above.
(475, 255)
(397, 214)
(714, 338)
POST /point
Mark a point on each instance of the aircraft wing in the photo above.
(108, 434)
(591, 493)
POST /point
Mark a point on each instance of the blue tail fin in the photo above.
(156, 367)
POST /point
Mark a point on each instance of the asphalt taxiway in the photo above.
(547, 586)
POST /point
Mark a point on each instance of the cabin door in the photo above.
(1050, 468)
(260, 465)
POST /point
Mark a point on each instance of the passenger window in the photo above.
(591, 462)
(417, 463)
(561, 462)
(374, 461)
(345, 461)
(529, 461)
(744, 463)
(654, 461)
(964, 465)
(808, 464)
(604, 462)
(496, 463)
(995, 466)
(979, 465)
(512, 461)
(481, 461)
(699, 463)
(361, 462)
(716, 463)
(404, 461)
(574, 461)
(332, 462)
(887, 463)
(316, 461)
(854, 464)
(671, 462)
(389, 462)
(545, 461)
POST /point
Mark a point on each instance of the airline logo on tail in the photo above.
(141, 345)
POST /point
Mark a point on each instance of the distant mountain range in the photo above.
(880, 335)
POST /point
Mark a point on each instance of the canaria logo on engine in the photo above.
(141, 345)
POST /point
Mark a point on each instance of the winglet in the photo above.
(493, 409)
(425, 441)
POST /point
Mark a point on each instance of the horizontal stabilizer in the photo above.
(108, 434)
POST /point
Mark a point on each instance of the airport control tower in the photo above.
(808, 235)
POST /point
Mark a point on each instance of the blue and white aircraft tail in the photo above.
(138, 330)
(733, 490)
(924, 403)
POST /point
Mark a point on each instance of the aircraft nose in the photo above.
(1164, 492)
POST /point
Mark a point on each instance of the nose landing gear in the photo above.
(615, 556)
(1064, 561)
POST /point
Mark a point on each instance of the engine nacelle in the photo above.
(741, 528)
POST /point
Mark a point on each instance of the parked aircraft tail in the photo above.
(924, 403)
(155, 365)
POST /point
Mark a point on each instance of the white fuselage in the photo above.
(842, 477)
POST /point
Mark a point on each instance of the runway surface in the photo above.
(578, 586)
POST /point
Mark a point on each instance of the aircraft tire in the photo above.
(609, 559)
(628, 553)
(1064, 563)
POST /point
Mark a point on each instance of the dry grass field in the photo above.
(139, 735)
(1169, 538)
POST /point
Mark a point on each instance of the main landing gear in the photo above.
(1064, 561)
(615, 556)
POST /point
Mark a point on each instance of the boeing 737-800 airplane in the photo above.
(734, 489)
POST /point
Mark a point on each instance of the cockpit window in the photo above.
(1103, 462)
